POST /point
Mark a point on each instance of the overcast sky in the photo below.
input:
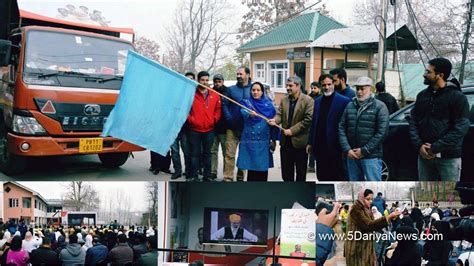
(136, 191)
(150, 18)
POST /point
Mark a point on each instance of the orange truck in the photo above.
(59, 82)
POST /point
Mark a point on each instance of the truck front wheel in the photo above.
(10, 164)
(113, 160)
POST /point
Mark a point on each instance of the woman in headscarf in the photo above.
(437, 250)
(361, 252)
(6, 237)
(406, 251)
(258, 139)
(376, 213)
(30, 243)
(88, 243)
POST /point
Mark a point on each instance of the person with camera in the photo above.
(324, 228)
(360, 250)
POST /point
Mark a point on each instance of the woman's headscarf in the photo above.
(88, 243)
(361, 200)
(376, 213)
(262, 106)
(6, 236)
(28, 236)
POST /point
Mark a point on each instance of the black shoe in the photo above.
(176, 175)
(213, 177)
(150, 169)
(156, 171)
(168, 171)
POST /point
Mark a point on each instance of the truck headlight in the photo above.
(27, 125)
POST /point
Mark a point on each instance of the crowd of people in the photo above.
(339, 129)
(78, 245)
(369, 215)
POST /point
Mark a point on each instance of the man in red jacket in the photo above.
(204, 115)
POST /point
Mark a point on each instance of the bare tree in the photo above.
(152, 194)
(82, 196)
(267, 14)
(194, 31)
(465, 43)
(435, 24)
(148, 48)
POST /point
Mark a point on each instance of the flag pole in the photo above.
(240, 105)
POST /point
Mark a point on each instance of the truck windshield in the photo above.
(71, 60)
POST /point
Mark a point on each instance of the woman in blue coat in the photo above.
(258, 139)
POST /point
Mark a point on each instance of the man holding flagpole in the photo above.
(234, 121)
(203, 117)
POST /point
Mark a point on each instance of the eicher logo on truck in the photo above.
(92, 109)
(78, 116)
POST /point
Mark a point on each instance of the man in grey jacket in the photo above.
(362, 130)
(73, 254)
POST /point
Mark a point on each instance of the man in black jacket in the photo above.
(386, 98)
(44, 255)
(220, 129)
(362, 129)
(439, 121)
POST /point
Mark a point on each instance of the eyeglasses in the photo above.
(360, 88)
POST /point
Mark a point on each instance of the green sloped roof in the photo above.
(303, 28)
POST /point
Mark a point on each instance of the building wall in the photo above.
(40, 211)
(17, 212)
(313, 71)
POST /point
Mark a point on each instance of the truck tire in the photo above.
(113, 160)
(10, 164)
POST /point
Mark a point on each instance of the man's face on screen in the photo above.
(235, 224)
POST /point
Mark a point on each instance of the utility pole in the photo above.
(465, 46)
(381, 52)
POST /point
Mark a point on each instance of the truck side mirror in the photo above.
(5, 52)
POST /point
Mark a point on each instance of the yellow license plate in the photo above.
(91, 145)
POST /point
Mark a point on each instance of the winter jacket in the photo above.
(97, 253)
(323, 243)
(361, 252)
(149, 258)
(379, 203)
(254, 145)
(231, 111)
(73, 255)
(121, 254)
(44, 256)
(221, 126)
(440, 117)
(205, 112)
(389, 101)
(301, 122)
(364, 127)
(336, 110)
(348, 92)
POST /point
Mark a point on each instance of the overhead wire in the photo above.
(416, 35)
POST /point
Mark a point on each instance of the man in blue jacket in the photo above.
(325, 233)
(323, 140)
(234, 120)
(339, 76)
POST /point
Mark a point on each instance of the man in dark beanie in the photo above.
(220, 129)
(385, 97)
